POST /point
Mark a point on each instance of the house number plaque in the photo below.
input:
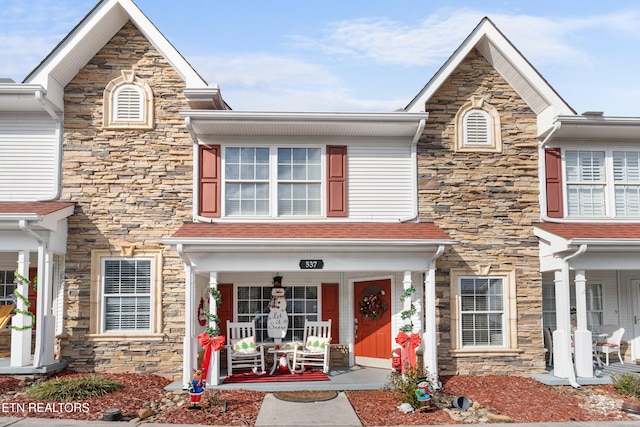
(311, 264)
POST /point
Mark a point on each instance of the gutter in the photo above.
(49, 108)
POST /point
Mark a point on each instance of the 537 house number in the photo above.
(311, 264)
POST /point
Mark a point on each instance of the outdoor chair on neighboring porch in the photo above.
(315, 348)
(548, 345)
(6, 311)
(242, 350)
(612, 344)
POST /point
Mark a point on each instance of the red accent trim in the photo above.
(553, 172)
(337, 181)
(209, 184)
(331, 308)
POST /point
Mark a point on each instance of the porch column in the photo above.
(189, 356)
(214, 368)
(583, 346)
(21, 340)
(430, 351)
(562, 334)
(45, 323)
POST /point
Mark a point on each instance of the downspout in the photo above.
(48, 106)
(542, 173)
(565, 274)
(414, 173)
(430, 355)
(187, 351)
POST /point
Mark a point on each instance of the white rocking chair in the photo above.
(242, 350)
(315, 349)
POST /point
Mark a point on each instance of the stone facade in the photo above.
(486, 201)
(132, 188)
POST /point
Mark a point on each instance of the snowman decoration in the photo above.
(277, 320)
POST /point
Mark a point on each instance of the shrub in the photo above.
(70, 389)
(403, 387)
(627, 383)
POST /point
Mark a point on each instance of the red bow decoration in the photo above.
(408, 344)
(210, 344)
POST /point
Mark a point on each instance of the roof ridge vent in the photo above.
(593, 113)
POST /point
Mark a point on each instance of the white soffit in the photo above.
(243, 123)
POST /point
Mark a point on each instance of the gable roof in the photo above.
(511, 65)
(90, 35)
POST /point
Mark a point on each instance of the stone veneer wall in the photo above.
(129, 186)
(486, 201)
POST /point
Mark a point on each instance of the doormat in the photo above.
(250, 377)
(306, 396)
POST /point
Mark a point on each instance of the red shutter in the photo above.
(336, 181)
(209, 185)
(553, 172)
(225, 309)
(331, 309)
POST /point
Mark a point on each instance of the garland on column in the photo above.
(20, 278)
(407, 314)
(213, 321)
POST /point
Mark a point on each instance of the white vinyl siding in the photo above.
(29, 150)
(380, 181)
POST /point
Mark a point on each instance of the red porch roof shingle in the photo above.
(328, 230)
(38, 208)
(606, 230)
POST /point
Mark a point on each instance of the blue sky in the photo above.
(369, 55)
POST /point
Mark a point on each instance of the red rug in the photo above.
(250, 377)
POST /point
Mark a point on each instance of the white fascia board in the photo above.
(510, 53)
(301, 117)
(325, 245)
(116, 13)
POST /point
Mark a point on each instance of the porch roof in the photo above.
(593, 231)
(33, 208)
(314, 230)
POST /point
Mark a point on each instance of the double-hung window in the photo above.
(482, 311)
(586, 183)
(626, 178)
(7, 286)
(273, 181)
(302, 303)
(127, 293)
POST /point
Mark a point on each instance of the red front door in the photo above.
(373, 336)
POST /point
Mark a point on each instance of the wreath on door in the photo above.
(202, 316)
(371, 304)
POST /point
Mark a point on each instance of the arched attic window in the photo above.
(478, 127)
(128, 103)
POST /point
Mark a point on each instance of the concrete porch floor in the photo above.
(340, 378)
(7, 369)
(549, 379)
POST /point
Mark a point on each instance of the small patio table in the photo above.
(596, 338)
(279, 351)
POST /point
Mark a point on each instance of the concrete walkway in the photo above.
(334, 412)
(39, 422)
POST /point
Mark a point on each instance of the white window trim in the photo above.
(510, 341)
(96, 326)
(477, 103)
(609, 191)
(110, 120)
(273, 181)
